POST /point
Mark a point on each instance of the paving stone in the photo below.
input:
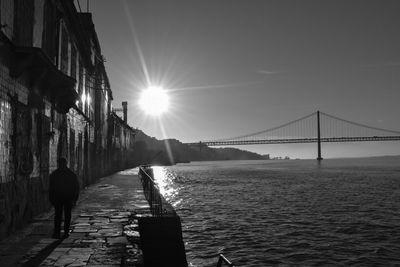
(97, 240)
(95, 235)
(64, 260)
(85, 215)
(124, 213)
(80, 250)
(131, 227)
(133, 234)
(75, 235)
(111, 225)
(109, 232)
(109, 210)
(105, 260)
(47, 262)
(84, 230)
(81, 224)
(61, 250)
(82, 220)
(117, 240)
(118, 217)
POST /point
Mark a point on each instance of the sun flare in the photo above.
(154, 101)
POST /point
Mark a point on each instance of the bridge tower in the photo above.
(319, 158)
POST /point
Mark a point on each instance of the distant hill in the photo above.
(150, 150)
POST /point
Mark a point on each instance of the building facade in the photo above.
(55, 101)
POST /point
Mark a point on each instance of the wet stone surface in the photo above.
(97, 239)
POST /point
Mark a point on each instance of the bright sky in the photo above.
(233, 67)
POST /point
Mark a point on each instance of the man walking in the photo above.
(63, 194)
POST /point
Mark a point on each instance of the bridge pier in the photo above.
(319, 157)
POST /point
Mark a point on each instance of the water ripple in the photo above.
(289, 213)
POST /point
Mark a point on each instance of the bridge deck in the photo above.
(296, 140)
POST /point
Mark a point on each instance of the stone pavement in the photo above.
(104, 230)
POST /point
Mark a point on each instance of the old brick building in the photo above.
(55, 100)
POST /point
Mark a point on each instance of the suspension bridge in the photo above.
(317, 127)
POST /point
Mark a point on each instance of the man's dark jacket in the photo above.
(64, 186)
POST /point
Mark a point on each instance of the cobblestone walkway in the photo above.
(104, 227)
(99, 238)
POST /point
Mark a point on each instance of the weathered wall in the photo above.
(121, 144)
(47, 106)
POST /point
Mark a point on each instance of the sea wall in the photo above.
(161, 237)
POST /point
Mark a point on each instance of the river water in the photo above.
(341, 212)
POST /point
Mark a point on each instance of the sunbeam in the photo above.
(137, 43)
(167, 146)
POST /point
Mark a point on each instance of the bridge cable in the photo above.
(264, 131)
(360, 124)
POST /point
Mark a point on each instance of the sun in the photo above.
(154, 101)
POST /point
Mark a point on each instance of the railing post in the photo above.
(219, 264)
(151, 191)
(222, 259)
(319, 137)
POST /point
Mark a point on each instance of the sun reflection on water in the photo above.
(165, 182)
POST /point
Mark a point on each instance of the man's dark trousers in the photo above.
(59, 208)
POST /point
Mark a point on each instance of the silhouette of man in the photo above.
(63, 194)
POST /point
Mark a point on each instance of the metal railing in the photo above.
(151, 191)
(223, 260)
